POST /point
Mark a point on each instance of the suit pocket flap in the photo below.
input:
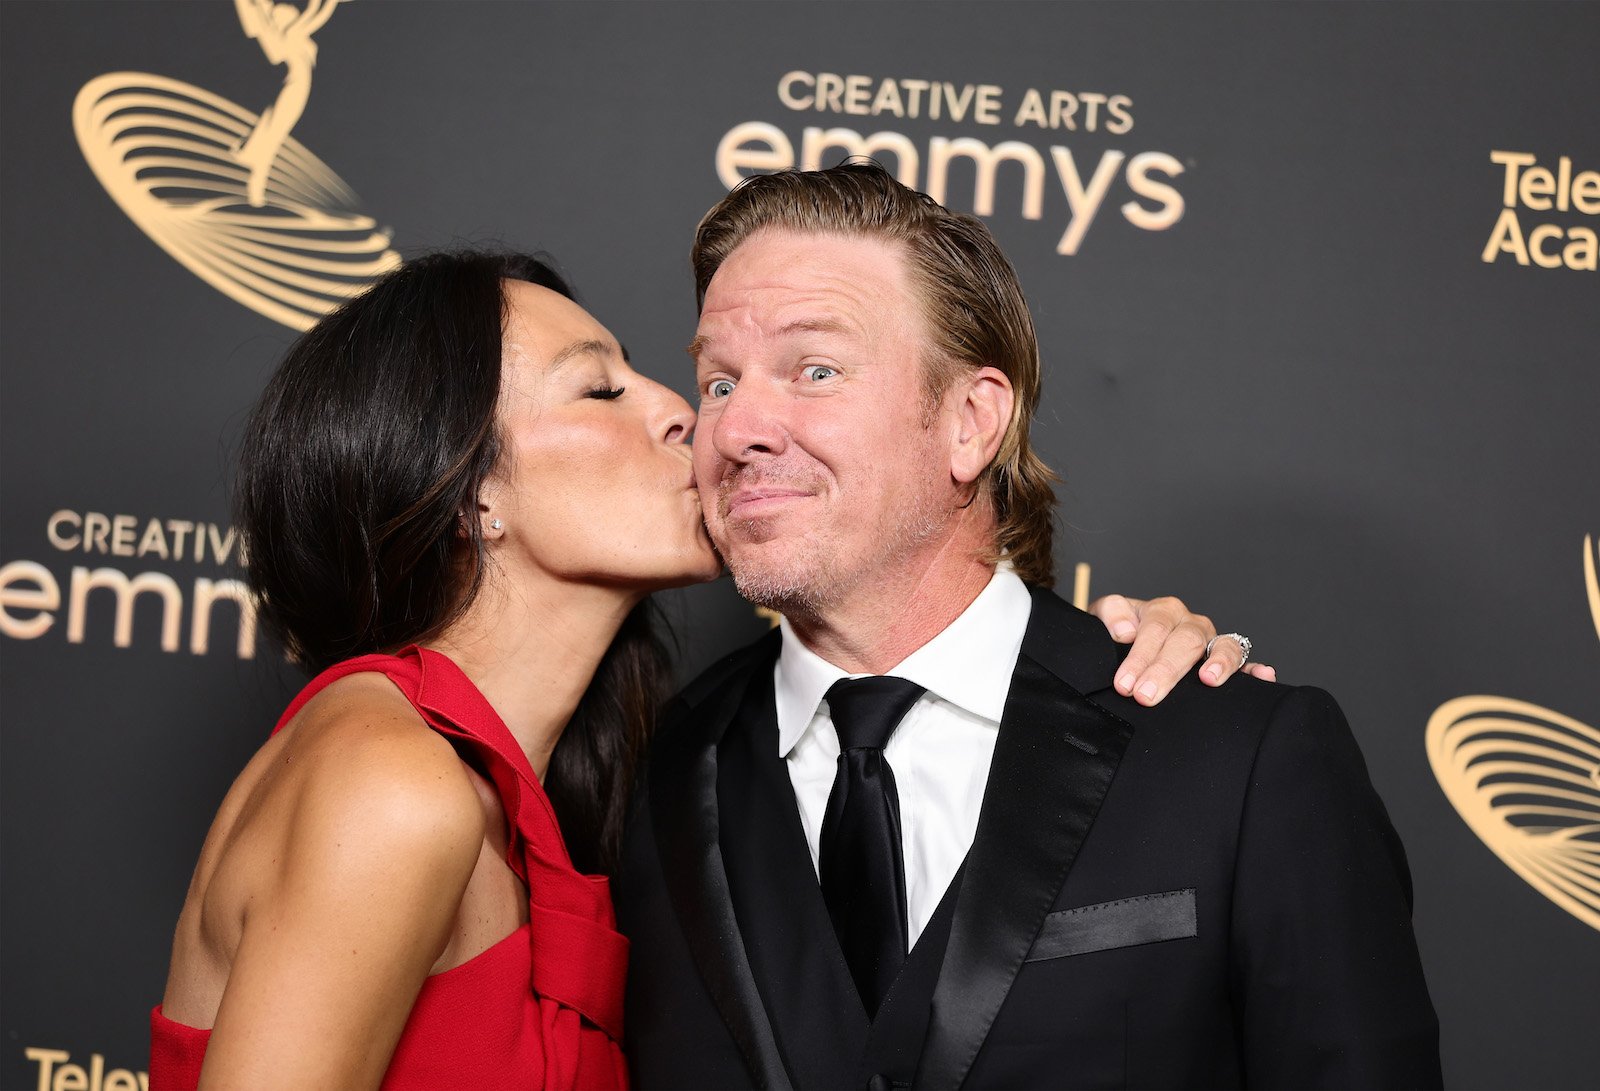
(1126, 922)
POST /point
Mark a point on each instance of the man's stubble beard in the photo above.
(810, 578)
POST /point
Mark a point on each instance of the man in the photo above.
(980, 864)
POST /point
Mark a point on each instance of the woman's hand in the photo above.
(1167, 641)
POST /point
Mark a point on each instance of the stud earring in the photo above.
(495, 524)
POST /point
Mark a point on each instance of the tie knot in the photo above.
(866, 711)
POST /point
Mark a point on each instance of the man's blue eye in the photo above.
(818, 372)
(719, 388)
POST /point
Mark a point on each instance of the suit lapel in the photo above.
(1053, 762)
(799, 969)
(684, 810)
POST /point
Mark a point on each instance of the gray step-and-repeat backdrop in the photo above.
(1317, 291)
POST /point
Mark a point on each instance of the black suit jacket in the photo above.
(1207, 893)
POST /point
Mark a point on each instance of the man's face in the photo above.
(818, 468)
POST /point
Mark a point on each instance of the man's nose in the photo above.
(750, 423)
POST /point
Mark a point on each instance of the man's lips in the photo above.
(751, 502)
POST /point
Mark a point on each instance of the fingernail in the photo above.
(1212, 673)
(1125, 683)
(1148, 691)
(1123, 630)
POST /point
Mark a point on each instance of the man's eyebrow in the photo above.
(816, 325)
(591, 347)
(799, 325)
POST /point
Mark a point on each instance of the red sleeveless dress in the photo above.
(540, 1009)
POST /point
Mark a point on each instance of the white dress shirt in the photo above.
(941, 751)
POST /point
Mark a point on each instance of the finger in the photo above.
(1182, 649)
(1261, 671)
(1227, 657)
(1155, 625)
(1119, 614)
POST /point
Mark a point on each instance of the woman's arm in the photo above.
(380, 836)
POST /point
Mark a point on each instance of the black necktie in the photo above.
(863, 873)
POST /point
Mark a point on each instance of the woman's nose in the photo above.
(677, 418)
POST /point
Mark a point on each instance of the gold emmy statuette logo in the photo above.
(242, 204)
(1527, 780)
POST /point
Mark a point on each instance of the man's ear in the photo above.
(982, 400)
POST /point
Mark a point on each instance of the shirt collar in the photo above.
(969, 663)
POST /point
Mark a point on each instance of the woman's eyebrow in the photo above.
(591, 347)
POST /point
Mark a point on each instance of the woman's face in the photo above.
(595, 482)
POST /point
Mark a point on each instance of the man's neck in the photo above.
(872, 629)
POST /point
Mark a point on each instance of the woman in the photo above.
(456, 496)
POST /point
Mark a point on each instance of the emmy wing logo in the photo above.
(1527, 780)
(230, 194)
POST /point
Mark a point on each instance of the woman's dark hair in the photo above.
(357, 503)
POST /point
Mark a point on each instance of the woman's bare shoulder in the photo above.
(361, 764)
(343, 812)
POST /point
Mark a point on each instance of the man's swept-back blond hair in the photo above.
(972, 304)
